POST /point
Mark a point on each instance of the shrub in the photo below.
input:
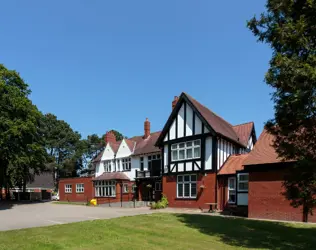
(163, 203)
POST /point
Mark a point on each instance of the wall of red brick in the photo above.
(73, 196)
(125, 196)
(205, 195)
(89, 192)
(266, 200)
(222, 192)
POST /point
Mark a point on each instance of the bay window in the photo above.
(105, 188)
(186, 186)
(186, 150)
(232, 190)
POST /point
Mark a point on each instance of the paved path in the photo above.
(44, 214)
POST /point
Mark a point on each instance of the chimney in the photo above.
(174, 102)
(146, 129)
(109, 137)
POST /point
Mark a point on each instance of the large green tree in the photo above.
(21, 145)
(61, 143)
(289, 27)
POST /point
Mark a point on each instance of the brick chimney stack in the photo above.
(109, 137)
(146, 128)
(174, 102)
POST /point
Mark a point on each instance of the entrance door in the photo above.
(146, 190)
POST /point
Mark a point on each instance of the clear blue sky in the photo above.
(110, 64)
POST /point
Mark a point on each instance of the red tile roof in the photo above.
(115, 146)
(263, 151)
(233, 163)
(130, 144)
(243, 131)
(112, 176)
(216, 122)
(146, 146)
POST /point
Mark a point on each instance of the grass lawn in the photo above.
(164, 231)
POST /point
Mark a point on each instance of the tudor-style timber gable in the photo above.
(195, 139)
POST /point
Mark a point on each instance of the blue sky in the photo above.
(110, 64)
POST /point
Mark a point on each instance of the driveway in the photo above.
(44, 214)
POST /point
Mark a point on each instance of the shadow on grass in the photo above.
(253, 234)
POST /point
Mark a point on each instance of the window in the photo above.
(134, 188)
(126, 164)
(141, 163)
(68, 188)
(232, 190)
(105, 189)
(243, 182)
(80, 188)
(186, 150)
(125, 188)
(107, 166)
(186, 186)
(152, 158)
(158, 186)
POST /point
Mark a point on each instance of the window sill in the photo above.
(105, 196)
(179, 198)
(242, 191)
(79, 192)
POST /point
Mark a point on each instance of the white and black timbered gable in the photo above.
(187, 140)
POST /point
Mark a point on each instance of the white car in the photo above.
(55, 197)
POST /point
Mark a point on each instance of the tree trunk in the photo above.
(305, 213)
(25, 172)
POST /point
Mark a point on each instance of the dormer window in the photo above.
(186, 150)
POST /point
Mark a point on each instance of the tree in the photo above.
(289, 27)
(21, 148)
(61, 143)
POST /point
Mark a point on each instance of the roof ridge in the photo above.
(242, 124)
(143, 135)
(209, 109)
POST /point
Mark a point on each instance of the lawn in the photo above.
(164, 231)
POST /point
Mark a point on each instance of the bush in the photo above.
(163, 203)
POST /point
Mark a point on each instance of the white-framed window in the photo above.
(232, 190)
(68, 188)
(125, 188)
(243, 182)
(134, 188)
(186, 150)
(79, 188)
(107, 166)
(105, 188)
(158, 186)
(141, 163)
(186, 186)
(126, 163)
